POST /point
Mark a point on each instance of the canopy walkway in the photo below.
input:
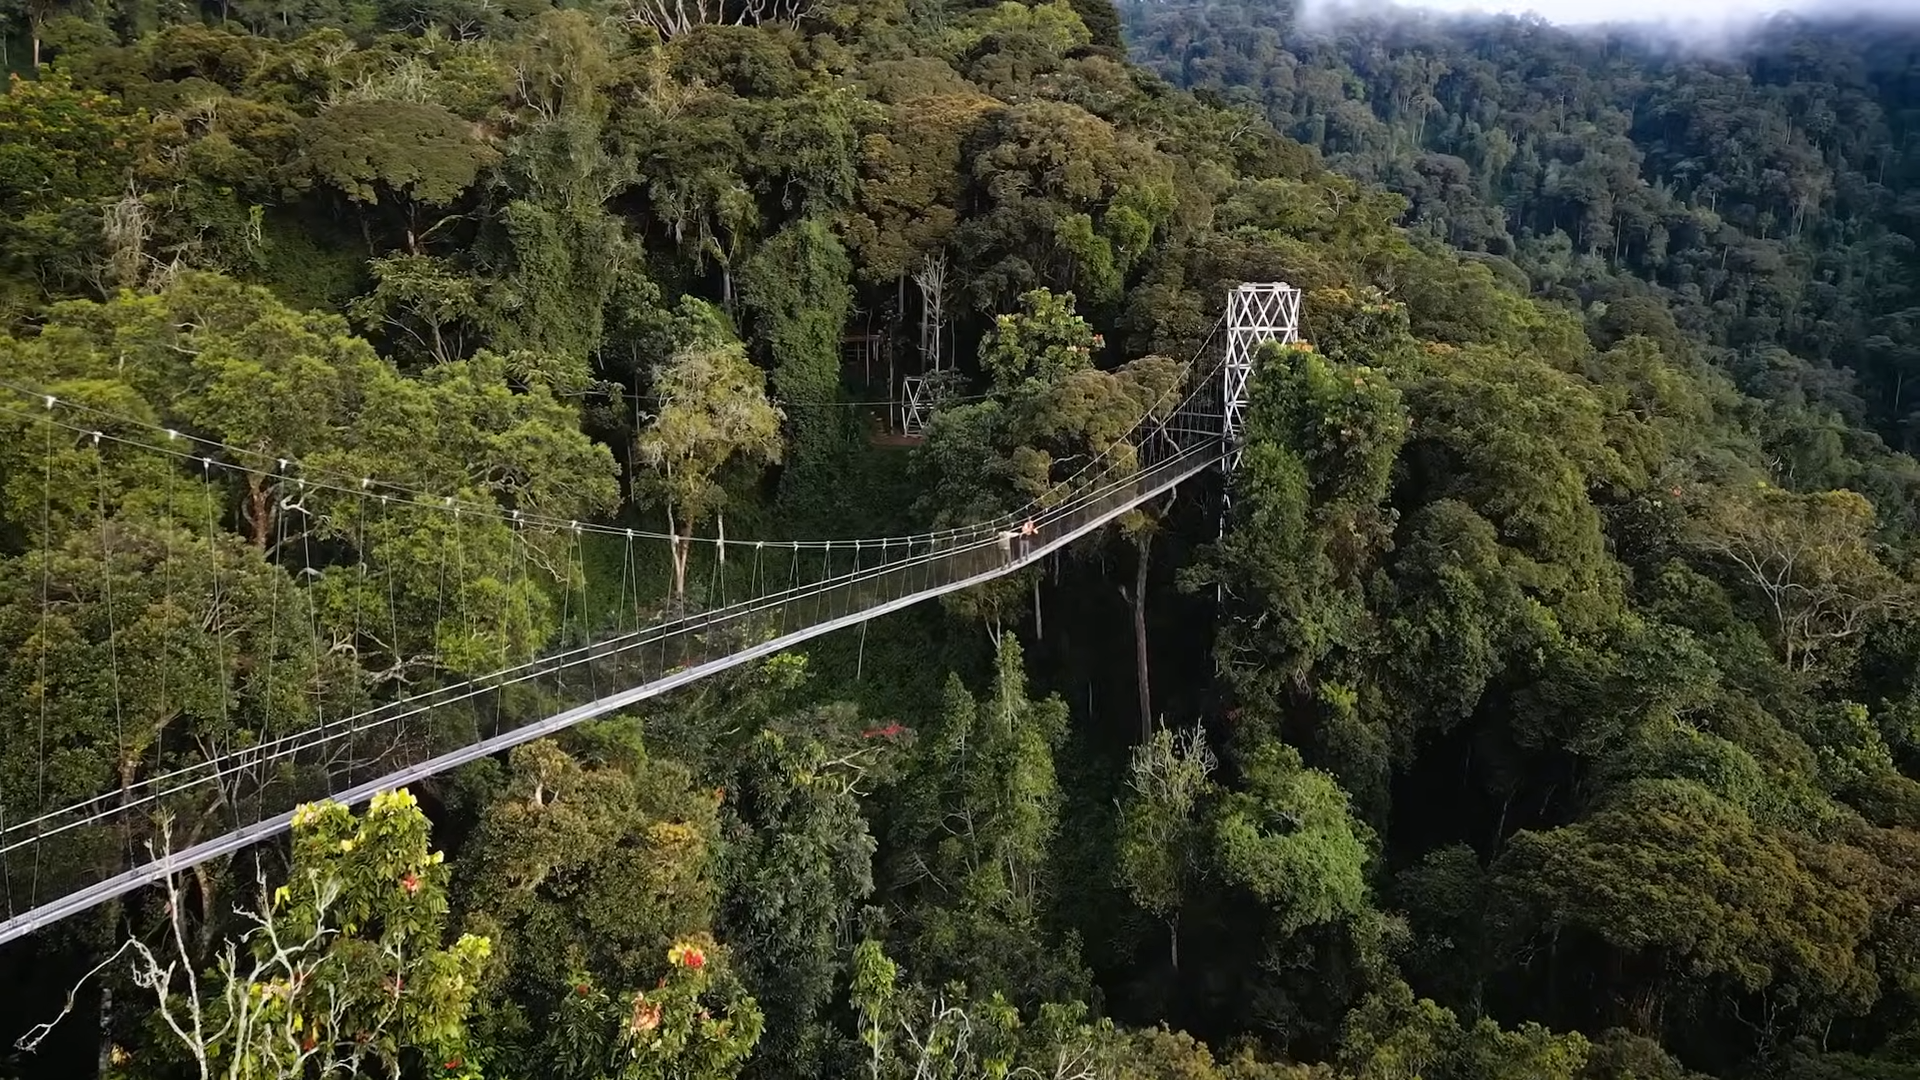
(68, 859)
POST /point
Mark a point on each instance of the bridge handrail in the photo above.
(980, 565)
(283, 468)
(214, 768)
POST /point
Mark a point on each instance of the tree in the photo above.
(1392, 1035)
(1077, 433)
(912, 1032)
(1042, 344)
(1065, 199)
(796, 289)
(396, 581)
(594, 864)
(911, 177)
(594, 872)
(1811, 558)
(341, 971)
(1679, 880)
(1075, 429)
(1310, 525)
(1290, 839)
(425, 304)
(976, 815)
(694, 1023)
(1162, 830)
(1054, 426)
(1140, 526)
(673, 18)
(799, 863)
(65, 158)
(713, 412)
(417, 156)
(569, 273)
(157, 646)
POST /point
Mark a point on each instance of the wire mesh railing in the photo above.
(810, 565)
(76, 857)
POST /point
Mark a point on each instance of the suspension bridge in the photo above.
(60, 860)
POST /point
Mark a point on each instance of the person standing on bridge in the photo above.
(1027, 533)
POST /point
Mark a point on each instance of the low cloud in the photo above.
(1699, 20)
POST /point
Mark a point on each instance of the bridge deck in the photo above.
(645, 664)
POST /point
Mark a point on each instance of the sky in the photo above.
(1707, 14)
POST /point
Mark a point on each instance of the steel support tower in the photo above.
(920, 397)
(1257, 312)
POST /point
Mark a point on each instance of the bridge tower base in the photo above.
(1257, 312)
(918, 398)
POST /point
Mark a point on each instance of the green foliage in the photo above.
(1163, 844)
(155, 636)
(64, 154)
(227, 362)
(424, 304)
(912, 180)
(695, 1023)
(796, 288)
(713, 412)
(1393, 1036)
(1043, 344)
(1812, 561)
(1290, 839)
(1311, 524)
(374, 151)
(975, 816)
(1538, 698)
(571, 273)
(592, 875)
(1161, 833)
(799, 861)
(343, 971)
(1669, 869)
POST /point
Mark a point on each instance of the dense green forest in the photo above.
(1543, 707)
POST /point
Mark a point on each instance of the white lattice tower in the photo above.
(1257, 312)
(917, 404)
(919, 394)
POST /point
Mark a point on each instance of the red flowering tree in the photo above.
(1042, 344)
(342, 972)
(695, 1023)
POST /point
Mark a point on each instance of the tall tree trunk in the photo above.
(680, 544)
(104, 1063)
(1143, 548)
(260, 510)
(203, 876)
(111, 915)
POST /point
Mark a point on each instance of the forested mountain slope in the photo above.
(1748, 215)
(1761, 188)
(1546, 707)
